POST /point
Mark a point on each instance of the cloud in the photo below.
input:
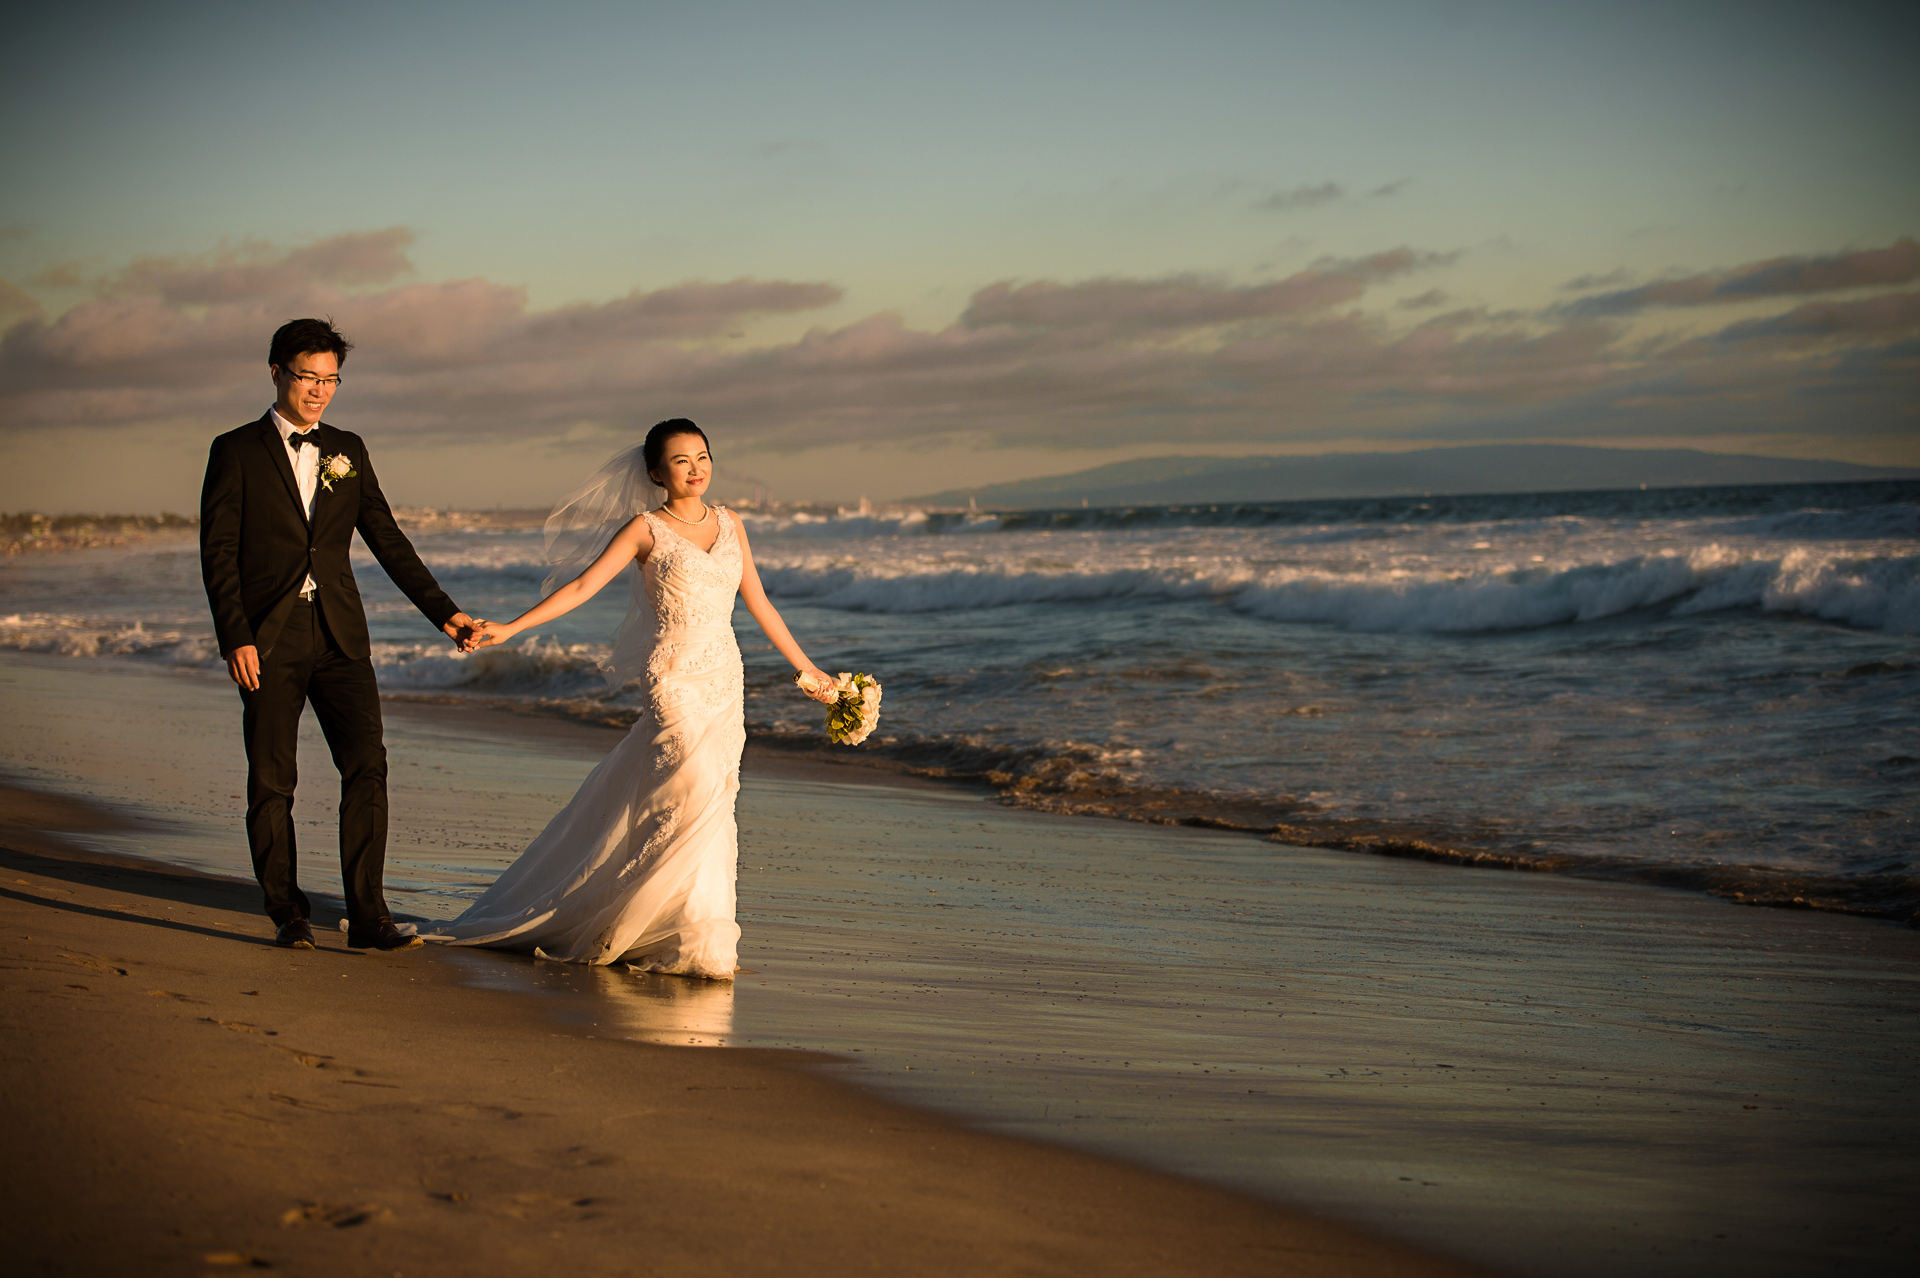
(1183, 301)
(1888, 313)
(1470, 315)
(15, 303)
(686, 310)
(1609, 279)
(1693, 290)
(370, 257)
(1189, 301)
(1375, 267)
(1898, 263)
(165, 337)
(1310, 195)
(1048, 363)
(253, 270)
(1303, 197)
(60, 275)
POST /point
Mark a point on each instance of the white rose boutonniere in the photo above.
(334, 469)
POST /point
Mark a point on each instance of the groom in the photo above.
(282, 500)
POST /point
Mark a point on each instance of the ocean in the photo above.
(1715, 689)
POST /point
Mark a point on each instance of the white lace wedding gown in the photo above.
(639, 867)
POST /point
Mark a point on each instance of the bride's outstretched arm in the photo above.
(635, 541)
(818, 683)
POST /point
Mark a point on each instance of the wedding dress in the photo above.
(640, 866)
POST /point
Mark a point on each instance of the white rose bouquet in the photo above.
(856, 709)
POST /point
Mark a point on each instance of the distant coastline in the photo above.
(1452, 471)
(30, 532)
(27, 532)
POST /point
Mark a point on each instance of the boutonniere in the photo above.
(335, 468)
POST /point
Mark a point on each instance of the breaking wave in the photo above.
(1864, 592)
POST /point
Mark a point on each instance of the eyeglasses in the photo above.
(314, 379)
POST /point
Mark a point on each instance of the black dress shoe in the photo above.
(294, 934)
(380, 935)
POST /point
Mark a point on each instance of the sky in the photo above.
(882, 250)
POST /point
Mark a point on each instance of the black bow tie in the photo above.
(297, 438)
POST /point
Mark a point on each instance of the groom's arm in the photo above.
(222, 498)
(396, 554)
(221, 502)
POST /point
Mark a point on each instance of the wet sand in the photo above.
(183, 1098)
(1541, 1074)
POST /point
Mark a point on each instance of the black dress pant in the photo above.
(306, 665)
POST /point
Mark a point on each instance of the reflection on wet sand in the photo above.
(646, 1007)
(679, 1011)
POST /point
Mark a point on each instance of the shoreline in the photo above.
(1354, 764)
(1541, 1073)
(794, 756)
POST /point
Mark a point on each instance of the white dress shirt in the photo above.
(306, 471)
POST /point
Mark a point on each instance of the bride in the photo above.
(639, 867)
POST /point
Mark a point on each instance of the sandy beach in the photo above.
(1531, 1073)
(183, 1098)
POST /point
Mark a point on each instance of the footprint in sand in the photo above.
(301, 1102)
(581, 1156)
(312, 1060)
(333, 1215)
(535, 1206)
(470, 1109)
(87, 960)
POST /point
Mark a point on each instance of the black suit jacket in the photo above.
(257, 545)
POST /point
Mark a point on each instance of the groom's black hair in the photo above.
(306, 337)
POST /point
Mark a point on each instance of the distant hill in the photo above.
(1487, 468)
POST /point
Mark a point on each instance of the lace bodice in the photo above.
(694, 665)
(689, 587)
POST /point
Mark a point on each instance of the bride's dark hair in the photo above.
(655, 447)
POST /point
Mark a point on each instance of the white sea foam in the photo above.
(73, 636)
(537, 667)
(1876, 593)
(885, 588)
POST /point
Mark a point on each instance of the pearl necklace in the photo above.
(691, 523)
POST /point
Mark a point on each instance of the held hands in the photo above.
(483, 635)
(470, 634)
(459, 628)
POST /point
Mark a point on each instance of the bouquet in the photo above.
(855, 712)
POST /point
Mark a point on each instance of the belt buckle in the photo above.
(306, 596)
